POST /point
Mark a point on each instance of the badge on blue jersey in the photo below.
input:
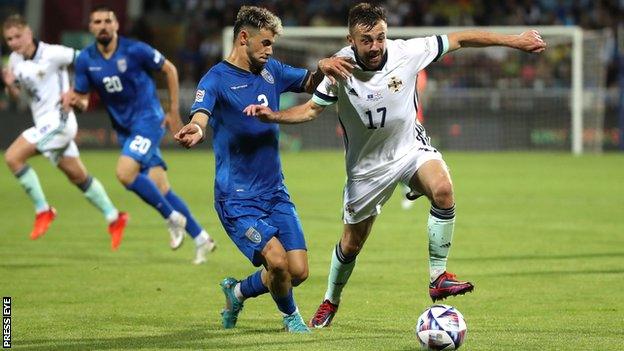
(253, 235)
(267, 76)
(122, 65)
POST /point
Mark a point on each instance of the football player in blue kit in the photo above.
(250, 196)
(119, 70)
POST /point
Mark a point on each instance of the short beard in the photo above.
(104, 41)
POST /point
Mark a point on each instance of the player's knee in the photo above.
(443, 194)
(124, 177)
(278, 265)
(9, 159)
(298, 276)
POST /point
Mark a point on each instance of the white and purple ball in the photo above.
(441, 327)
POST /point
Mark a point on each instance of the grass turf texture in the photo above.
(541, 236)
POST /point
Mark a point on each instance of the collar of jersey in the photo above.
(34, 52)
(233, 66)
(114, 52)
(361, 64)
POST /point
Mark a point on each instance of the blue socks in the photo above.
(285, 304)
(252, 286)
(148, 192)
(192, 227)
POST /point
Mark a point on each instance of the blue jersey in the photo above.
(123, 82)
(246, 150)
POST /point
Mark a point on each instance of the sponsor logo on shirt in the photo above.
(199, 95)
(236, 87)
(267, 76)
(253, 235)
(92, 68)
(122, 65)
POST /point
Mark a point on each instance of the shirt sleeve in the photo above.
(81, 77)
(326, 93)
(424, 51)
(293, 79)
(205, 95)
(61, 55)
(149, 57)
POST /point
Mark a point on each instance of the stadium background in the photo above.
(487, 100)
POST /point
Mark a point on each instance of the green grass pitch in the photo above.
(540, 235)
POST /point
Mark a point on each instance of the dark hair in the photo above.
(101, 8)
(257, 18)
(15, 20)
(367, 15)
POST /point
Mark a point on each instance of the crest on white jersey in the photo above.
(267, 76)
(395, 85)
(122, 65)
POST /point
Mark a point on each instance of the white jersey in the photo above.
(44, 77)
(377, 109)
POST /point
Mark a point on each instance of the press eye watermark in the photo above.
(6, 322)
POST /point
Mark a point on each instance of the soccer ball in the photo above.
(441, 327)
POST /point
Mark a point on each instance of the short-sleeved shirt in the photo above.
(123, 82)
(246, 149)
(44, 76)
(377, 107)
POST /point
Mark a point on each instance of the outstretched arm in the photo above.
(332, 67)
(297, 114)
(194, 132)
(172, 118)
(529, 41)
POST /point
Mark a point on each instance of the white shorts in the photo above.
(363, 197)
(54, 135)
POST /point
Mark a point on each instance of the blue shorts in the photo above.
(251, 223)
(143, 145)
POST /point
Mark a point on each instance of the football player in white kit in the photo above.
(40, 70)
(384, 143)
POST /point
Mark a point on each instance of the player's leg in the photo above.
(71, 164)
(130, 175)
(362, 201)
(342, 264)
(433, 179)
(15, 157)
(203, 242)
(279, 282)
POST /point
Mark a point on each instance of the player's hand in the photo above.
(530, 41)
(189, 135)
(336, 68)
(7, 76)
(66, 100)
(263, 113)
(173, 121)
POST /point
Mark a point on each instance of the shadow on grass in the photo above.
(203, 337)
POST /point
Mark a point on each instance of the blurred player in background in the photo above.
(40, 69)
(250, 196)
(385, 145)
(119, 70)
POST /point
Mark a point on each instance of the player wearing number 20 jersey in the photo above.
(124, 84)
(119, 70)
